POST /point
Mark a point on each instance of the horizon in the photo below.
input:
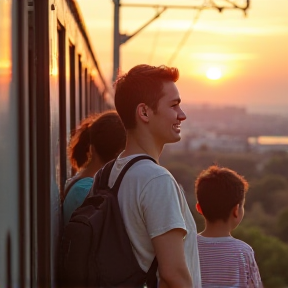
(250, 109)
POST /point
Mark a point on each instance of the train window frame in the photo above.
(80, 85)
(86, 92)
(72, 87)
(91, 95)
(61, 34)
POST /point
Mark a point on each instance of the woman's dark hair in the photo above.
(105, 132)
(142, 84)
(218, 190)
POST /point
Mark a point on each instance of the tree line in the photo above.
(265, 224)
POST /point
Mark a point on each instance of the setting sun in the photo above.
(213, 73)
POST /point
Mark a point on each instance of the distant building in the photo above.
(232, 129)
(268, 143)
(216, 142)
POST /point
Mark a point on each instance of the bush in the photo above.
(282, 225)
(270, 191)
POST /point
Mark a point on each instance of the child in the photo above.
(224, 260)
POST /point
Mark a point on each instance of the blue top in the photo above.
(75, 197)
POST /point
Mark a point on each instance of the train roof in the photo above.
(76, 12)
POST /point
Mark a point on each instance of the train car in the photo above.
(49, 80)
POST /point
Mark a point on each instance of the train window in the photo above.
(72, 88)
(80, 87)
(97, 107)
(72, 93)
(62, 107)
(86, 92)
(99, 99)
(91, 95)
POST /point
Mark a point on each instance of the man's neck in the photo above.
(141, 144)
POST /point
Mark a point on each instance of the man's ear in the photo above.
(198, 208)
(142, 112)
(235, 210)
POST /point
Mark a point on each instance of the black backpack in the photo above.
(95, 248)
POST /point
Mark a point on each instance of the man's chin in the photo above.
(175, 140)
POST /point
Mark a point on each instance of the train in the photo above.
(50, 79)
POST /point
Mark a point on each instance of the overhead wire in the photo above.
(232, 3)
(154, 45)
(185, 37)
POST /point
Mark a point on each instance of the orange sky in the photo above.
(251, 52)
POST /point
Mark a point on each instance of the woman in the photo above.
(99, 139)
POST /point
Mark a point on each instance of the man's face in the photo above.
(165, 122)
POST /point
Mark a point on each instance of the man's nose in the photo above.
(181, 115)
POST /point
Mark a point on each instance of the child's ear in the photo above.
(235, 210)
(198, 208)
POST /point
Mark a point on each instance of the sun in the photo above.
(214, 73)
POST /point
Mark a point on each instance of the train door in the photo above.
(41, 137)
(14, 153)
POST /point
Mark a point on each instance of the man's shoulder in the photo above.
(143, 166)
(147, 168)
(144, 171)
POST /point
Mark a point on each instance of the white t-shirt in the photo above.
(227, 262)
(151, 204)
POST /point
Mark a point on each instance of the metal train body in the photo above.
(49, 81)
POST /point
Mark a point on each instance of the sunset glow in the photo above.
(213, 73)
(250, 52)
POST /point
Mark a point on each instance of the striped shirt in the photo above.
(227, 262)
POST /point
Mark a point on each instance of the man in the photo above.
(154, 209)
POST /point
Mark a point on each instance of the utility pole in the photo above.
(116, 48)
(120, 39)
(123, 38)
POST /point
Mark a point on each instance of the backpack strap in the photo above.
(152, 281)
(72, 182)
(101, 181)
(118, 181)
(101, 178)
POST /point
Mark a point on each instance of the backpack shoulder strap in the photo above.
(102, 176)
(118, 181)
(151, 274)
(69, 186)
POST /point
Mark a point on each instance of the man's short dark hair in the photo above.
(218, 190)
(142, 84)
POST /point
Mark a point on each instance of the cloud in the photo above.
(260, 28)
(263, 30)
(223, 56)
